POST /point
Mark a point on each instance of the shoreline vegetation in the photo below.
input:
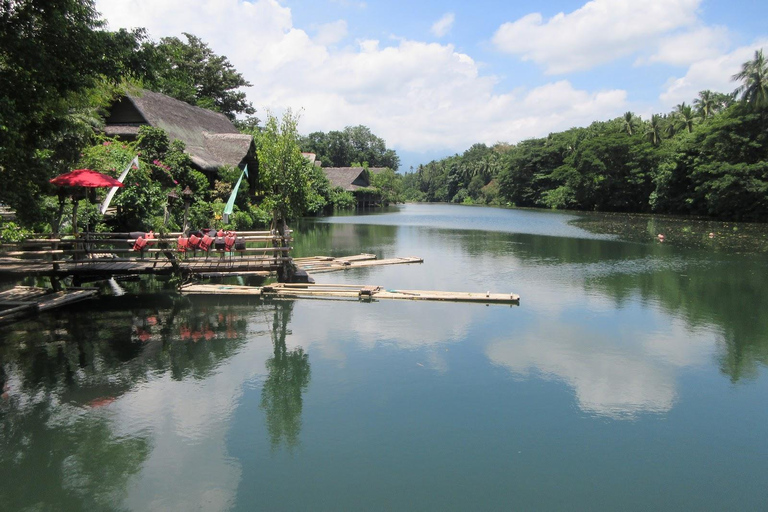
(708, 159)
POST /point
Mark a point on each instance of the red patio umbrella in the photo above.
(83, 178)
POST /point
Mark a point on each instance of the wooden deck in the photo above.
(23, 301)
(361, 292)
(106, 255)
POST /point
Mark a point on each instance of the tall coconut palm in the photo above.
(628, 123)
(705, 103)
(653, 129)
(684, 116)
(754, 78)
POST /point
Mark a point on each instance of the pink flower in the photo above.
(107, 143)
(175, 182)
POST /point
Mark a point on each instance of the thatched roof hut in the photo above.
(211, 139)
(351, 178)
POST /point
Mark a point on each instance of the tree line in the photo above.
(708, 158)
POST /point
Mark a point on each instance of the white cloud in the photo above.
(443, 25)
(599, 32)
(331, 33)
(714, 73)
(415, 95)
(689, 47)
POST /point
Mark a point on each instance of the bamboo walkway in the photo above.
(361, 292)
(322, 264)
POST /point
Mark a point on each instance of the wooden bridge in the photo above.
(102, 255)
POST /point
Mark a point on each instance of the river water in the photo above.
(632, 376)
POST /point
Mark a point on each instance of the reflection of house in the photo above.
(355, 180)
(211, 140)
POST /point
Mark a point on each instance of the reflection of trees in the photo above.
(53, 459)
(288, 375)
(341, 239)
(59, 449)
(704, 288)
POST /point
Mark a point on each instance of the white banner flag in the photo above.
(111, 193)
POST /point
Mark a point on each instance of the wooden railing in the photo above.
(265, 248)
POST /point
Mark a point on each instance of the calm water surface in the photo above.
(631, 377)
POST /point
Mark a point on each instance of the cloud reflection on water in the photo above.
(616, 378)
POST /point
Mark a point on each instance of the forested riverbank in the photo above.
(705, 159)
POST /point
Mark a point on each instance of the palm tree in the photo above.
(653, 129)
(684, 116)
(754, 77)
(628, 123)
(705, 103)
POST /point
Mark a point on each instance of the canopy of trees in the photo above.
(706, 159)
(353, 145)
(59, 70)
(52, 59)
(191, 72)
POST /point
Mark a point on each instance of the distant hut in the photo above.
(211, 140)
(356, 180)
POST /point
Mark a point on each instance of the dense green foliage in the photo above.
(389, 185)
(190, 71)
(59, 70)
(284, 173)
(356, 144)
(55, 71)
(705, 159)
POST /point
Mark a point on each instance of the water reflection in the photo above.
(684, 304)
(288, 375)
(59, 449)
(619, 379)
(708, 289)
(98, 410)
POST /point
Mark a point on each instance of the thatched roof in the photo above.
(210, 138)
(351, 178)
(348, 178)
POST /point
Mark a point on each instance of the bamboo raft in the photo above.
(23, 301)
(361, 292)
(322, 264)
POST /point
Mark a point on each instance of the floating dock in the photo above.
(363, 292)
(322, 264)
(23, 301)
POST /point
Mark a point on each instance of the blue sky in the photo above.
(432, 78)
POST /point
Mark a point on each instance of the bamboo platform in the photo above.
(322, 264)
(23, 301)
(362, 292)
